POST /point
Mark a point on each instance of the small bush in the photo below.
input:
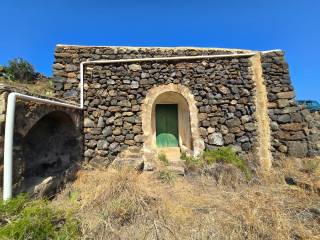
(166, 176)
(163, 158)
(219, 155)
(226, 155)
(22, 218)
(20, 70)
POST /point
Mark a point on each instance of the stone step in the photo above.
(172, 153)
(178, 163)
(177, 170)
(134, 150)
(132, 155)
(150, 156)
(130, 162)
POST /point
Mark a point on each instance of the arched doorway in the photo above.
(50, 147)
(170, 119)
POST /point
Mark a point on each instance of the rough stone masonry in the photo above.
(238, 98)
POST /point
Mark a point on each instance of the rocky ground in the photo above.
(119, 203)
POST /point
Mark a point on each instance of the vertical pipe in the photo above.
(81, 84)
(8, 146)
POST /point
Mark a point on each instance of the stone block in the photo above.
(286, 95)
(216, 139)
(297, 149)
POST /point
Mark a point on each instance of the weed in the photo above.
(163, 158)
(311, 165)
(73, 196)
(192, 163)
(166, 176)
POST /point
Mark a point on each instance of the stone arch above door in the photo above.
(171, 93)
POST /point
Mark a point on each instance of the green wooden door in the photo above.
(167, 125)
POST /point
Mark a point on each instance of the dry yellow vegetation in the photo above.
(126, 204)
(42, 87)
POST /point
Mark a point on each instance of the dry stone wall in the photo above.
(223, 90)
(66, 67)
(292, 127)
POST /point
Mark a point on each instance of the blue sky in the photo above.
(31, 29)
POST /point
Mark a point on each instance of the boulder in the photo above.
(297, 149)
(47, 187)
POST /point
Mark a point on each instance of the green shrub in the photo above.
(163, 158)
(222, 154)
(22, 218)
(226, 155)
(20, 70)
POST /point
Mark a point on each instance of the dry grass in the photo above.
(125, 204)
(43, 87)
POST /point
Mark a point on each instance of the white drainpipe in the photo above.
(8, 139)
(9, 125)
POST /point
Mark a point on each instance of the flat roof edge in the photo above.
(272, 50)
(161, 47)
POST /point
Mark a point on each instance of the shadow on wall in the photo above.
(51, 150)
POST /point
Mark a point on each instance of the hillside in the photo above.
(41, 87)
(212, 202)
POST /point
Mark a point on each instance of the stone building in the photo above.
(137, 101)
(183, 99)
